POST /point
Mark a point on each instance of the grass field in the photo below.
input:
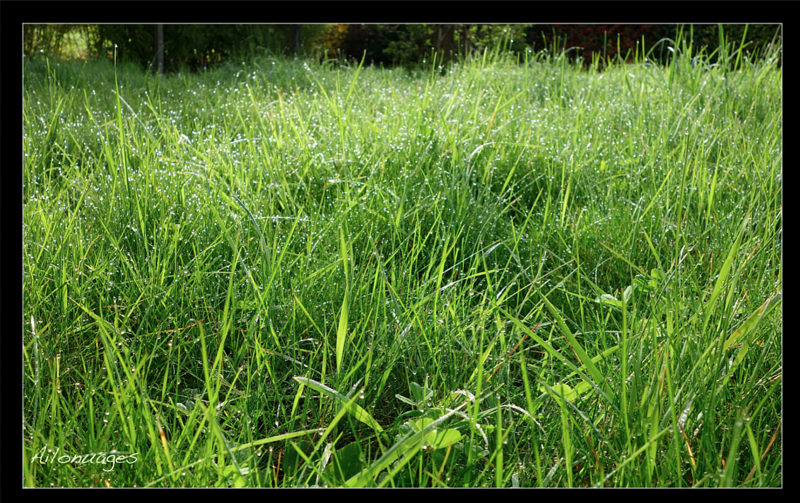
(292, 274)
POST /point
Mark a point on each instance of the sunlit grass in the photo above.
(291, 274)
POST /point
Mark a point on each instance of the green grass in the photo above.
(291, 274)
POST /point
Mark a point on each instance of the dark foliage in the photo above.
(625, 41)
(408, 45)
(370, 40)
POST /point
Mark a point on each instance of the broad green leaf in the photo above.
(406, 400)
(232, 472)
(443, 439)
(658, 275)
(417, 392)
(560, 389)
(583, 386)
(345, 463)
(627, 296)
(609, 300)
(437, 439)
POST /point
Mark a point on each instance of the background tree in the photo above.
(160, 48)
(445, 41)
(297, 35)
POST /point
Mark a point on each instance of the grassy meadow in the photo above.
(285, 273)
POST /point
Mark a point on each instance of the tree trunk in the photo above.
(445, 41)
(160, 48)
(463, 34)
(297, 35)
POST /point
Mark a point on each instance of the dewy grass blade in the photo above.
(357, 411)
(341, 336)
(257, 227)
(753, 320)
(732, 463)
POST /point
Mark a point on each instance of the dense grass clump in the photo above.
(291, 274)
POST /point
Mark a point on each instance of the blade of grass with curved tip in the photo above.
(357, 411)
(604, 391)
(212, 421)
(582, 355)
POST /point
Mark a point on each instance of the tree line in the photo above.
(198, 47)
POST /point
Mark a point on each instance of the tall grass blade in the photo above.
(341, 336)
(723, 274)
